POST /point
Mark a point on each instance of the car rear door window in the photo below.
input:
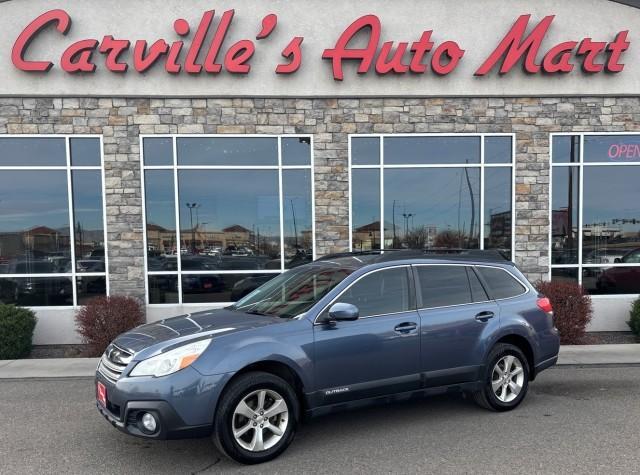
(502, 284)
(443, 286)
(380, 292)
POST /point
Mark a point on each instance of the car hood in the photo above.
(185, 327)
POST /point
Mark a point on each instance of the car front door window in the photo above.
(380, 293)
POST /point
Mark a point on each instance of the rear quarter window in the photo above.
(502, 284)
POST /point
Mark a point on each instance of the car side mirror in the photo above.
(343, 312)
(617, 260)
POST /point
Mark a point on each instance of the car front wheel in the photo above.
(256, 418)
(506, 379)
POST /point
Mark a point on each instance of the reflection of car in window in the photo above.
(97, 253)
(621, 280)
(632, 257)
(249, 284)
(202, 283)
(31, 267)
(604, 256)
(86, 265)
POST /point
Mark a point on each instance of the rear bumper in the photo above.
(544, 365)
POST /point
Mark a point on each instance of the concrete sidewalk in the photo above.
(48, 368)
(85, 367)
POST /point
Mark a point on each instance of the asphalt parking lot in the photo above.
(574, 420)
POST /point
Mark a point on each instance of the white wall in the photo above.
(58, 327)
(476, 25)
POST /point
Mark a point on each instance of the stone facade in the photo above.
(330, 121)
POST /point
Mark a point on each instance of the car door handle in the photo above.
(406, 327)
(484, 316)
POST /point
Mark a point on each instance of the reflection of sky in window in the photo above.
(497, 191)
(22, 151)
(562, 149)
(85, 151)
(365, 150)
(87, 199)
(227, 151)
(497, 150)
(297, 193)
(33, 198)
(431, 150)
(248, 198)
(296, 150)
(160, 198)
(365, 200)
(612, 192)
(435, 196)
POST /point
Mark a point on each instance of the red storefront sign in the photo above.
(422, 54)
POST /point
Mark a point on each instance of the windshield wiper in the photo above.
(255, 312)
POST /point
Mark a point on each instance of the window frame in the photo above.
(481, 165)
(412, 293)
(175, 167)
(580, 165)
(68, 168)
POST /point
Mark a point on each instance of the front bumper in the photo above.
(170, 425)
(183, 403)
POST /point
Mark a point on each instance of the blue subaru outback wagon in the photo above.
(343, 331)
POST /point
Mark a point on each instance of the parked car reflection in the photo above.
(619, 279)
(36, 291)
(249, 284)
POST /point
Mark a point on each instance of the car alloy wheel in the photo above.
(507, 378)
(256, 418)
(260, 420)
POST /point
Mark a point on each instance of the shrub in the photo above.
(104, 318)
(634, 321)
(16, 331)
(572, 309)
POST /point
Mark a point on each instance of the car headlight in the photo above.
(171, 361)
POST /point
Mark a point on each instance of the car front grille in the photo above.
(113, 362)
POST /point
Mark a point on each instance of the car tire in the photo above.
(501, 390)
(242, 429)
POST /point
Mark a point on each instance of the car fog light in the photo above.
(149, 422)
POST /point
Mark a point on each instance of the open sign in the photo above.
(624, 151)
(612, 148)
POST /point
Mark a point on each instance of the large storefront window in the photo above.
(595, 211)
(52, 234)
(431, 192)
(244, 208)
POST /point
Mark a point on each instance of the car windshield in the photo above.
(292, 293)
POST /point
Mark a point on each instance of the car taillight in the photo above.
(544, 304)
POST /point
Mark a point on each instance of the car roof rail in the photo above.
(492, 255)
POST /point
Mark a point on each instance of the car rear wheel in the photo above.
(256, 418)
(506, 379)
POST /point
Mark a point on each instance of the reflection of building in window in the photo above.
(500, 229)
(367, 237)
(51, 221)
(431, 191)
(249, 217)
(595, 213)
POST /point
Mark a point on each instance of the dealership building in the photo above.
(185, 152)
